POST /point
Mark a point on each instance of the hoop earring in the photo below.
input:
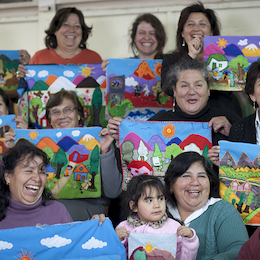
(183, 42)
(173, 105)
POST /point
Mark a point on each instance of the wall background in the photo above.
(22, 24)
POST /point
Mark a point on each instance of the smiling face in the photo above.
(70, 33)
(191, 190)
(27, 182)
(59, 119)
(3, 108)
(191, 92)
(150, 207)
(145, 41)
(197, 25)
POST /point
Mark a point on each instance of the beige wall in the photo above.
(22, 25)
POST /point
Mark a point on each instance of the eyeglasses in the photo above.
(66, 111)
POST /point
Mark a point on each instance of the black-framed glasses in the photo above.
(66, 111)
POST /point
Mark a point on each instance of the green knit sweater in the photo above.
(221, 232)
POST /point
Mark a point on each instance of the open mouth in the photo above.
(32, 188)
(70, 37)
(147, 44)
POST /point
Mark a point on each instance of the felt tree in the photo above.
(157, 153)
(142, 152)
(94, 164)
(96, 105)
(36, 104)
(127, 149)
(171, 152)
(238, 66)
(60, 160)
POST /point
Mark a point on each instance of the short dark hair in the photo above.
(195, 8)
(57, 98)
(175, 70)
(11, 158)
(58, 20)
(159, 31)
(136, 188)
(180, 164)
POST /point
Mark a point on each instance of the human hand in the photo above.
(104, 65)
(195, 46)
(106, 140)
(101, 218)
(20, 122)
(122, 233)
(184, 232)
(113, 127)
(9, 140)
(21, 71)
(213, 154)
(220, 124)
(24, 57)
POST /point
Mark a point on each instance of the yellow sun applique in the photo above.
(86, 71)
(149, 247)
(168, 131)
(25, 255)
(222, 43)
(158, 68)
(33, 135)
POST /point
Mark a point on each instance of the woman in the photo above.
(24, 199)
(195, 22)
(5, 108)
(65, 42)
(190, 183)
(147, 37)
(63, 110)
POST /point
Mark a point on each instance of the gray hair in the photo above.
(175, 70)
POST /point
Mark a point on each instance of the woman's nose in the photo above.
(192, 90)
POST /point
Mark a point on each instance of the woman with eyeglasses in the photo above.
(63, 110)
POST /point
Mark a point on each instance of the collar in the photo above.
(257, 126)
(175, 213)
(185, 116)
(134, 221)
(16, 205)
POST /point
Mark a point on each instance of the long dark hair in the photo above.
(159, 31)
(185, 13)
(11, 159)
(136, 188)
(58, 20)
(180, 164)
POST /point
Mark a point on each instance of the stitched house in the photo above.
(78, 153)
(217, 60)
(50, 172)
(236, 186)
(43, 119)
(80, 173)
(140, 167)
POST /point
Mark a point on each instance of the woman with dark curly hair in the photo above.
(65, 41)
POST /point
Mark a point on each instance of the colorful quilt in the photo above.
(134, 89)
(228, 59)
(152, 246)
(239, 174)
(74, 168)
(87, 80)
(71, 241)
(9, 61)
(147, 147)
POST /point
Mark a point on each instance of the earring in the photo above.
(7, 183)
(173, 105)
(183, 42)
(254, 105)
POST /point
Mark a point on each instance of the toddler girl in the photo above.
(144, 204)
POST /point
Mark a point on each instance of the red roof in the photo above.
(139, 164)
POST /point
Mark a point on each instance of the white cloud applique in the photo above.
(59, 134)
(243, 42)
(43, 73)
(5, 245)
(30, 73)
(130, 81)
(68, 73)
(75, 133)
(94, 243)
(55, 241)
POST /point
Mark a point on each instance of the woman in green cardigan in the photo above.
(190, 182)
